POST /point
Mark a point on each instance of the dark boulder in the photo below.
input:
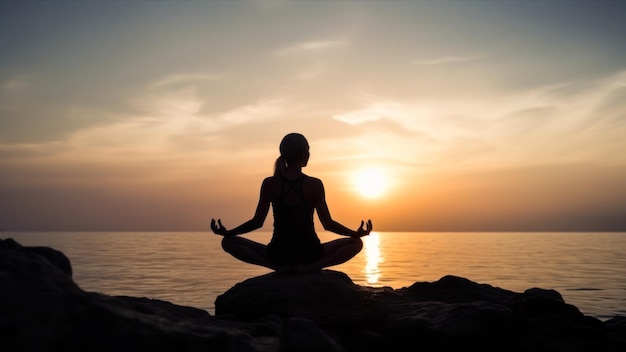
(450, 314)
(42, 309)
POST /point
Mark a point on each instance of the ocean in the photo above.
(190, 268)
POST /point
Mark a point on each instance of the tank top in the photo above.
(294, 230)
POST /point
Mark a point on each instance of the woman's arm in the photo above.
(256, 222)
(327, 221)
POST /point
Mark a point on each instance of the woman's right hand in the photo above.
(360, 232)
(218, 228)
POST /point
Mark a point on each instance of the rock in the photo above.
(323, 296)
(361, 317)
(56, 258)
(304, 335)
(41, 308)
(450, 314)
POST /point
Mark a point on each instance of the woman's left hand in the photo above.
(218, 228)
(364, 231)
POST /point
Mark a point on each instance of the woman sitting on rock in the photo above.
(294, 197)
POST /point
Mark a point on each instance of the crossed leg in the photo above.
(335, 252)
(247, 251)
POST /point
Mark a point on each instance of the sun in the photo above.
(371, 182)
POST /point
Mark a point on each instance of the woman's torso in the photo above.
(293, 208)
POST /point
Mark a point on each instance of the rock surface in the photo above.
(41, 309)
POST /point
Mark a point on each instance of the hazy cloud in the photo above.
(255, 112)
(435, 118)
(183, 79)
(448, 59)
(16, 84)
(27, 150)
(374, 112)
(179, 104)
(171, 123)
(174, 94)
(309, 47)
(310, 73)
(541, 124)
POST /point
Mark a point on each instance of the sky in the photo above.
(160, 115)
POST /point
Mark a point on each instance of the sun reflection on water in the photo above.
(373, 257)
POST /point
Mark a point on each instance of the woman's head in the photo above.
(294, 148)
(293, 145)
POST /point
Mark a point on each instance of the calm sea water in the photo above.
(190, 268)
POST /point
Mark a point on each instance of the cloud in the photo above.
(310, 73)
(565, 122)
(448, 59)
(183, 79)
(429, 116)
(174, 94)
(16, 85)
(255, 112)
(29, 150)
(374, 112)
(178, 103)
(309, 47)
(166, 117)
(173, 125)
(13, 92)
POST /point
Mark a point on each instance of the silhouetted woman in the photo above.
(294, 197)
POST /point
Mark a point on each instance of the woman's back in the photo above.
(294, 238)
(293, 207)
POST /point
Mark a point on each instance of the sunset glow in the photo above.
(373, 257)
(371, 183)
(421, 115)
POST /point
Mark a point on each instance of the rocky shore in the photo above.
(42, 309)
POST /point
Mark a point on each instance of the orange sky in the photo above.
(159, 116)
